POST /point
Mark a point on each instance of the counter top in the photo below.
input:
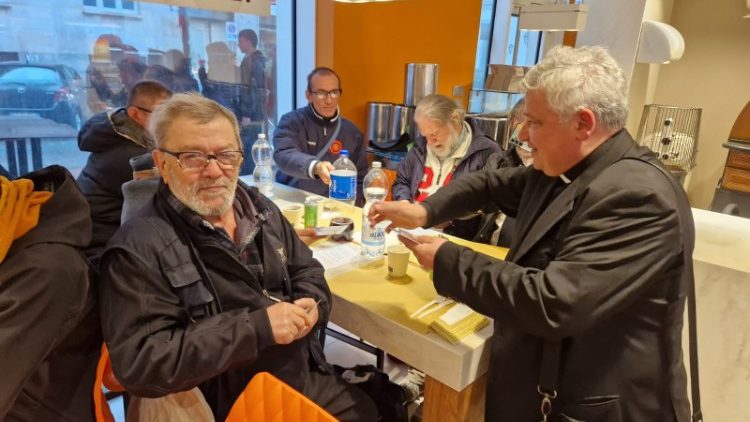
(722, 240)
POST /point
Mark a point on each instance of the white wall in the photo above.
(615, 24)
(714, 74)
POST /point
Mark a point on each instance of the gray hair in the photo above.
(518, 109)
(577, 78)
(191, 106)
(441, 108)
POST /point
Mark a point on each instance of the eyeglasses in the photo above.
(321, 95)
(194, 160)
(143, 109)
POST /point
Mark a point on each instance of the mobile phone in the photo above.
(407, 235)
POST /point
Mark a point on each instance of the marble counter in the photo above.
(722, 274)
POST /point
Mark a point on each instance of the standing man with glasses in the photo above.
(588, 304)
(113, 138)
(309, 139)
(209, 284)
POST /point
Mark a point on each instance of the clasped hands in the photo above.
(291, 321)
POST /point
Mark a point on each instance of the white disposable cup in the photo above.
(398, 260)
(293, 213)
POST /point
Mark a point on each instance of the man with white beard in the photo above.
(450, 147)
(208, 284)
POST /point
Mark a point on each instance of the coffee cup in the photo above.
(398, 260)
(293, 213)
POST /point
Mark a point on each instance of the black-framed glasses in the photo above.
(195, 160)
(333, 94)
(143, 109)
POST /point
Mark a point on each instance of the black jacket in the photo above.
(599, 268)
(112, 139)
(411, 170)
(50, 337)
(253, 86)
(157, 344)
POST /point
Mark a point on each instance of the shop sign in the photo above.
(250, 7)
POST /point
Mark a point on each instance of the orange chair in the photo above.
(268, 399)
(104, 378)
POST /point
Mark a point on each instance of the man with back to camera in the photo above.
(113, 138)
(309, 139)
(252, 101)
(599, 265)
(50, 335)
(208, 284)
(449, 148)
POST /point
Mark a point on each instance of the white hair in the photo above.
(441, 108)
(577, 78)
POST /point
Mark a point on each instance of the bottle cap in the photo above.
(377, 164)
(261, 136)
(344, 153)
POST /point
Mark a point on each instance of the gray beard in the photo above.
(188, 195)
(455, 142)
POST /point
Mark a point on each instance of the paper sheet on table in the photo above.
(333, 254)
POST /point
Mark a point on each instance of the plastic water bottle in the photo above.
(343, 179)
(263, 174)
(375, 187)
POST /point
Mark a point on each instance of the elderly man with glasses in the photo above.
(209, 284)
(113, 138)
(309, 139)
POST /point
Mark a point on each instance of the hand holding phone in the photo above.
(404, 234)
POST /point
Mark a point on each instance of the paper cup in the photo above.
(398, 260)
(293, 213)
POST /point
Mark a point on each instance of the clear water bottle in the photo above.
(263, 174)
(375, 187)
(343, 179)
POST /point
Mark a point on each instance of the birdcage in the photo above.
(672, 134)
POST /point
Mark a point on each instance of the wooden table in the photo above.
(455, 373)
(18, 131)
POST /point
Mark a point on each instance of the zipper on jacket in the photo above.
(271, 298)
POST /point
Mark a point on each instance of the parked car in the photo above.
(54, 92)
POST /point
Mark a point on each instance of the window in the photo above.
(108, 6)
(527, 51)
(89, 62)
(500, 42)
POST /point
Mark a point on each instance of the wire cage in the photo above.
(672, 134)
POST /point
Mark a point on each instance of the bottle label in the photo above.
(372, 237)
(343, 185)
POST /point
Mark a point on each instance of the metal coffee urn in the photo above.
(403, 123)
(492, 125)
(379, 124)
(421, 81)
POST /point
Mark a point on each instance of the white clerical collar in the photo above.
(565, 179)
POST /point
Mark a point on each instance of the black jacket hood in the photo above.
(65, 217)
(106, 130)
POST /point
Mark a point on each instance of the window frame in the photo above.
(118, 10)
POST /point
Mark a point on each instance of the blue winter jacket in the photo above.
(411, 170)
(299, 136)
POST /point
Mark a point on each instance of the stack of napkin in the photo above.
(458, 322)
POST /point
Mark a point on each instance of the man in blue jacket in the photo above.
(309, 139)
(448, 148)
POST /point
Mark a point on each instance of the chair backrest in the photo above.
(266, 398)
(104, 378)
